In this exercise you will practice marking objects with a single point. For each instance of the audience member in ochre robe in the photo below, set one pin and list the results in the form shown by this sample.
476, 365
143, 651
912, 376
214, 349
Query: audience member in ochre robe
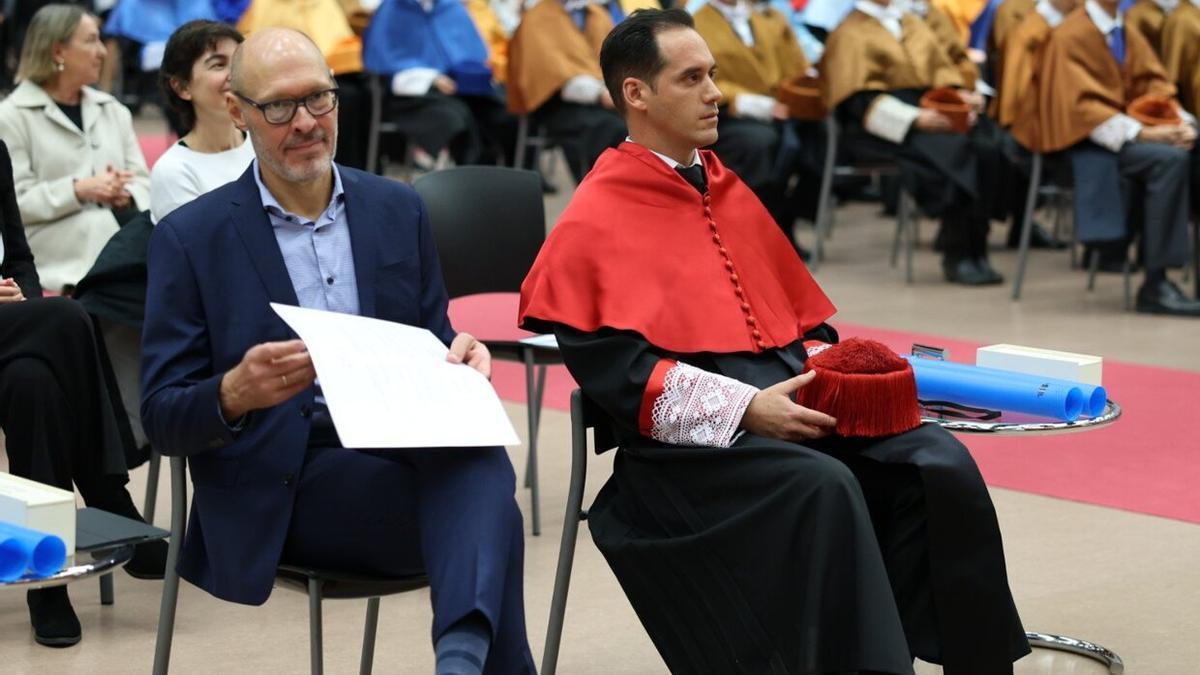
1092, 71
1181, 55
1148, 17
877, 65
757, 53
554, 76
442, 78
1017, 103
962, 14
956, 49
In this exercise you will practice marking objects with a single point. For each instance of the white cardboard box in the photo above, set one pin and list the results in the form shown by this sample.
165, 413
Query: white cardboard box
40, 507
1084, 368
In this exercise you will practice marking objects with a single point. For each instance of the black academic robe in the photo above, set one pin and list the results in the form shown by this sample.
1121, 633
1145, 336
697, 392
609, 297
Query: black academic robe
773, 557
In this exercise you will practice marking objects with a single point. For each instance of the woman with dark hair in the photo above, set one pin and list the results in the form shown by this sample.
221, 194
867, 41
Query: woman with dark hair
57, 410
194, 78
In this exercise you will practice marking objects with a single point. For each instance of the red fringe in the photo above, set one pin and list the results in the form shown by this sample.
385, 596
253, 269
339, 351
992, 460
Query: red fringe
869, 405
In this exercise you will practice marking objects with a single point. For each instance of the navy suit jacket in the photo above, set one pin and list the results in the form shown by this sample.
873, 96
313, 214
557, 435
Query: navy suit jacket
214, 264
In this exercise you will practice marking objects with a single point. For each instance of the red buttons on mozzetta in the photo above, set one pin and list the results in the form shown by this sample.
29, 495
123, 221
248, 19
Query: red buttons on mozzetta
751, 322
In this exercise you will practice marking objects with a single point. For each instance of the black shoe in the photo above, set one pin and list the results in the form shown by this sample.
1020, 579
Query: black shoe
985, 268
966, 271
149, 560
1038, 238
53, 618
1166, 298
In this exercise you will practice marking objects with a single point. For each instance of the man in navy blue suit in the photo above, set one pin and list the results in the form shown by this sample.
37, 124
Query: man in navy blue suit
226, 384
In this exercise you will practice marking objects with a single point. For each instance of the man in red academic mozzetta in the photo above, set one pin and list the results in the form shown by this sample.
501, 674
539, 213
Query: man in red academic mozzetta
748, 537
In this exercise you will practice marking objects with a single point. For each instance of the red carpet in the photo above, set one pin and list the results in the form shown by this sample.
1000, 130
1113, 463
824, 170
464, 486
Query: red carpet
154, 145
1148, 461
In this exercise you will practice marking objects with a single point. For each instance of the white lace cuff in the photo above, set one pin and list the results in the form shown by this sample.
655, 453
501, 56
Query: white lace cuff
890, 118
697, 407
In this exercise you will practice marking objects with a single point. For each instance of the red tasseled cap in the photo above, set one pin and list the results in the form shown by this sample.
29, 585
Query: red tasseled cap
869, 389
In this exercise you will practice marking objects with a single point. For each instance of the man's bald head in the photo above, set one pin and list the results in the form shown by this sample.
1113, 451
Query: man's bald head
265, 51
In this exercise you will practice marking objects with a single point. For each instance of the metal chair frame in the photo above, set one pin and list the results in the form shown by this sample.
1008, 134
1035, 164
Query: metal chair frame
907, 213
318, 584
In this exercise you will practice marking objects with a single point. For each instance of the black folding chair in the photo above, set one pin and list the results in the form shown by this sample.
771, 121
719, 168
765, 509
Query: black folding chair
489, 223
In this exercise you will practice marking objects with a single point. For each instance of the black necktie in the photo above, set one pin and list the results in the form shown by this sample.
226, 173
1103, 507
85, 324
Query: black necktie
694, 175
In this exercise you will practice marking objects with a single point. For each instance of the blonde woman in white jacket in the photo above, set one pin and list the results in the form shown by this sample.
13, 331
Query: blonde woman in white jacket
78, 169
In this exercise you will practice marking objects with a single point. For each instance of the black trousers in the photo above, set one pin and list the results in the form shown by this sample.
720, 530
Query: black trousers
582, 131
767, 155
56, 404
475, 129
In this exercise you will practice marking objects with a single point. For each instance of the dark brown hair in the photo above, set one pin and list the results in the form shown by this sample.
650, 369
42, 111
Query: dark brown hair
186, 45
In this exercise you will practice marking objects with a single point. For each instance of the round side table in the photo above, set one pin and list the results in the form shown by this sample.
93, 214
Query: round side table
1016, 425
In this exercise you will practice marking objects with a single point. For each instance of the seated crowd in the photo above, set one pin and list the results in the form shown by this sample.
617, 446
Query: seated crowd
708, 116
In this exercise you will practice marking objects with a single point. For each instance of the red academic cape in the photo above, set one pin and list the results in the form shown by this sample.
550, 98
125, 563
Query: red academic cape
639, 249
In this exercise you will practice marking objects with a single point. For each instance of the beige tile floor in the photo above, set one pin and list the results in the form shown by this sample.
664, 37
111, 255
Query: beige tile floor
1127, 581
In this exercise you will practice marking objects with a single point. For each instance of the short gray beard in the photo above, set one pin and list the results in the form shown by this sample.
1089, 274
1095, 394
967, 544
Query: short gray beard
287, 173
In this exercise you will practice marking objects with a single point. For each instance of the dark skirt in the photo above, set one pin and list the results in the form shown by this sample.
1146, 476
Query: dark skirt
770, 557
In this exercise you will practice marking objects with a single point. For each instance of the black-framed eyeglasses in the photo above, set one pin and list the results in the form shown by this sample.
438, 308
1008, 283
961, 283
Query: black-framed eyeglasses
281, 111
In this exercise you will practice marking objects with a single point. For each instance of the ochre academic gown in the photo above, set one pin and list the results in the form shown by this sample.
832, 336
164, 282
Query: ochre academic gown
547, 50
955, 48
741, 69
763, 556
1181, 53
1009, 15
962, 13
324, 21
1017, 103
1081, 85
1147, 18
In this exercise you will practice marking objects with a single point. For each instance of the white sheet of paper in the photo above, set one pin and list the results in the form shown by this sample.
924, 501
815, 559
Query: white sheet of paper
545, 340
389, 385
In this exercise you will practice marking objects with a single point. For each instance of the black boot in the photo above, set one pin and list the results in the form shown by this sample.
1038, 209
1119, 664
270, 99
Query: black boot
53, 618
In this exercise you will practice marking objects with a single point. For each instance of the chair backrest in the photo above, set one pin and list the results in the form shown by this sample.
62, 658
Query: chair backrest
489, 223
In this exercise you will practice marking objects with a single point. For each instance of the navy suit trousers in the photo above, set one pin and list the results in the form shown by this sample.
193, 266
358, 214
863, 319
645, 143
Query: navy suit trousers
447, 511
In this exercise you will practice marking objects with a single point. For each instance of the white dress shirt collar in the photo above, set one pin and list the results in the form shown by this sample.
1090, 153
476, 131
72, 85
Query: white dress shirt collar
667, 160
888, 16
1050, 13
1101, 18
1167, 6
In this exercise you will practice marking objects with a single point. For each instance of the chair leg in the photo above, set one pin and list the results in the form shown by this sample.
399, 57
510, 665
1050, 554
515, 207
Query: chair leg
315, 636
906, 227
107, 594
532, 404
376, 121
170, 595
1093, 267
1196, 256
1127, 282
369, 630
898, 237
522, 139
151, 486
1035, 179
566, 547
825, 199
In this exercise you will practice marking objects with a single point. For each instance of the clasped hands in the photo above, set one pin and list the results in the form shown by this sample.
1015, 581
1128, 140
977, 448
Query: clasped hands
774, 413
932, 120
1179, 135
272, 372
106, 188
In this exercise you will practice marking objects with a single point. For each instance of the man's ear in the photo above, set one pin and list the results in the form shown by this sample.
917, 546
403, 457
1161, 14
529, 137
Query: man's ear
635, 92
235, 111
